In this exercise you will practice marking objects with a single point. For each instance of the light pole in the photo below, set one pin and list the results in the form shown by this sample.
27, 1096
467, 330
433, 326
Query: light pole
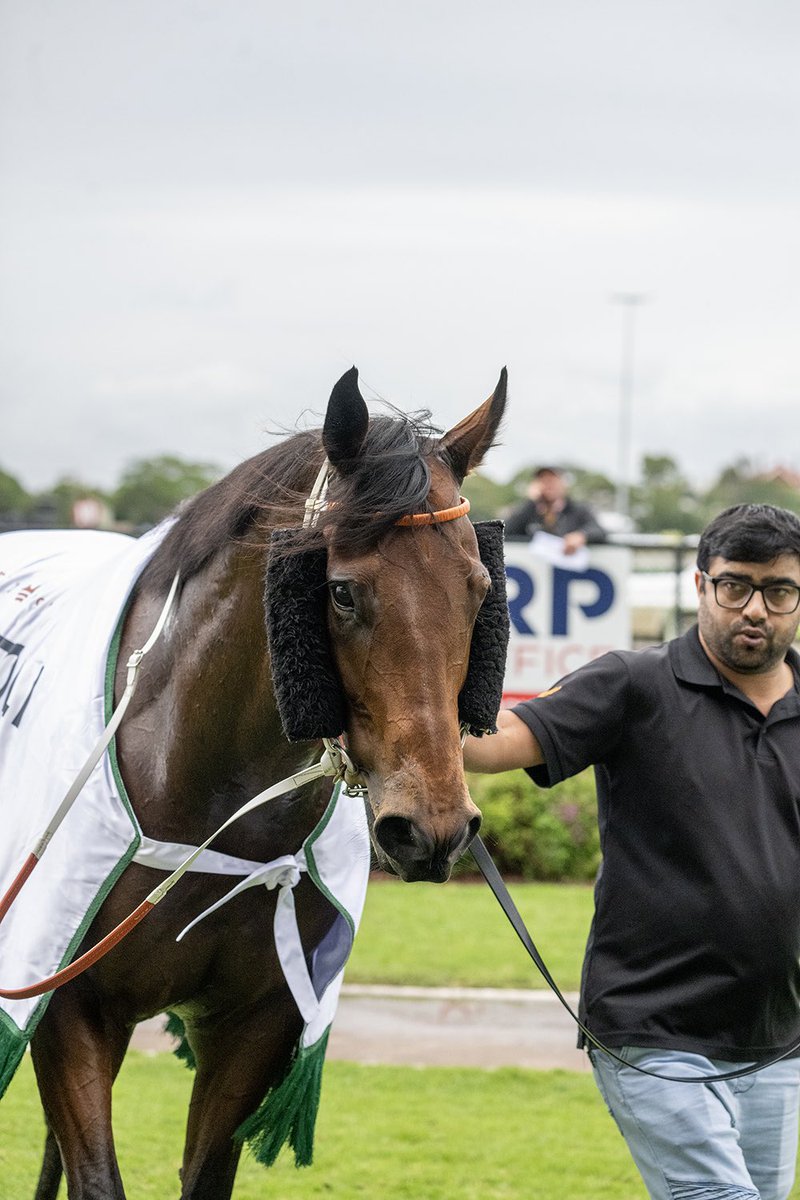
630, 301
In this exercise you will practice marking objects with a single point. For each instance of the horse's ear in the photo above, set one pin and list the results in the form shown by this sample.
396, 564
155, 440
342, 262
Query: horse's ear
465, 445
346, 422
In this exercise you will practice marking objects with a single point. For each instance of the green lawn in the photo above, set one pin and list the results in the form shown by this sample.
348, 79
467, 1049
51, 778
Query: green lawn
456, 933
384, 1133
389, 1132
396, 1133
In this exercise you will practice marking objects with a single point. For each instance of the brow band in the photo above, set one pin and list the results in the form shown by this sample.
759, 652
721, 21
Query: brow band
436, 518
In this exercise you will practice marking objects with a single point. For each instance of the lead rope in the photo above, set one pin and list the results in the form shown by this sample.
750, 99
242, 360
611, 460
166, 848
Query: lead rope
495, 881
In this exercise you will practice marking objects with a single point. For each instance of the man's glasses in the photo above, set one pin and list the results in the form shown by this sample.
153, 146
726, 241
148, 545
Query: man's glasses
779, 598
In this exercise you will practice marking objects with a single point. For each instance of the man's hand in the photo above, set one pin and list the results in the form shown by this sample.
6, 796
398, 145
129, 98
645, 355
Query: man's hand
574, 541
512, 746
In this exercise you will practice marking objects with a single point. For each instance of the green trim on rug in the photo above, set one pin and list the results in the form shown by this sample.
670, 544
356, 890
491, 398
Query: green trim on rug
288, 1113
111, 670
12, 1048
313, 870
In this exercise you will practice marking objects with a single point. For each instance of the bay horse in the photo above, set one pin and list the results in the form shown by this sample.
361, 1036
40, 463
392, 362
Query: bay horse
204, 733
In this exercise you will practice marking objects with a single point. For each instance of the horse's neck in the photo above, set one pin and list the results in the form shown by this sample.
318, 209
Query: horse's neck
205, 734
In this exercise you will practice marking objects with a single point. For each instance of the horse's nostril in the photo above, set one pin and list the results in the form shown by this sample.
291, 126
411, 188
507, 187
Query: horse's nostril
415, 853
460, 844
396, 834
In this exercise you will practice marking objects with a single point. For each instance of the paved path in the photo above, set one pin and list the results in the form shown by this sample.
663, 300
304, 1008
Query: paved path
465, 1027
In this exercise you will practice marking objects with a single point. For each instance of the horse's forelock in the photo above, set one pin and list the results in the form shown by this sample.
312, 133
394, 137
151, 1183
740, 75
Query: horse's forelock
388, 479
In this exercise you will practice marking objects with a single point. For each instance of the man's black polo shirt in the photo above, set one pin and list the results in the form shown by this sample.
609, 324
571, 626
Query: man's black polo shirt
696, 937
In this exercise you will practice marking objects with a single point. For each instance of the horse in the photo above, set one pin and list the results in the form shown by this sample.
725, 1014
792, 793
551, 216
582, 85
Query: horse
400, 600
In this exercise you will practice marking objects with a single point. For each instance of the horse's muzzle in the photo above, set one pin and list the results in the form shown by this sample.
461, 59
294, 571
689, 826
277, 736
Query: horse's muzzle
414, 854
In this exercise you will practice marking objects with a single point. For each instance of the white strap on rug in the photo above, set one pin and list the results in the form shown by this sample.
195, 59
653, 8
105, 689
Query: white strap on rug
283, 873
341, 853
168, 856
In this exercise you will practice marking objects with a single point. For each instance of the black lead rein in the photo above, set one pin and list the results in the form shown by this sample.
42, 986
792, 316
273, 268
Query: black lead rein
495, 881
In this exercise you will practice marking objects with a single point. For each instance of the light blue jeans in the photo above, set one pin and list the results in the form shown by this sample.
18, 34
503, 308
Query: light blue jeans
712, 1141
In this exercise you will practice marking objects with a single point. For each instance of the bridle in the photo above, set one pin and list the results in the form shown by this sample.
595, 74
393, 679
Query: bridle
494, 879
317, 503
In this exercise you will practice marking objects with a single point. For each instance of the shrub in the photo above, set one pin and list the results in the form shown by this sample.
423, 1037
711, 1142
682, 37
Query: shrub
535, 833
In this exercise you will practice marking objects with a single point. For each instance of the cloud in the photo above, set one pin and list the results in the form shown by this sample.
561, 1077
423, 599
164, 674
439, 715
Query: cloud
210, 214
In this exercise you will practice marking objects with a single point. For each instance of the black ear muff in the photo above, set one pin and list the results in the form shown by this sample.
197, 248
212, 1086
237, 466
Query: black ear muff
307, 688
480, 697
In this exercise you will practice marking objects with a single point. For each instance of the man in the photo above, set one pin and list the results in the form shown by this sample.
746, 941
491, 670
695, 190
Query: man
549, 508
692, 965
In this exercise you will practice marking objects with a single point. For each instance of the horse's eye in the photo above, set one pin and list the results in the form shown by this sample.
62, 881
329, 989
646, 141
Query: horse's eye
342, 596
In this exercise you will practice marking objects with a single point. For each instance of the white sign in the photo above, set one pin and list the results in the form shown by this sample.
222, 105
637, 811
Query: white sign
562, 618
548, 546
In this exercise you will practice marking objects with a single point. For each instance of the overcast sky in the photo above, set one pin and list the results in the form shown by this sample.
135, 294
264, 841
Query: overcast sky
209, 211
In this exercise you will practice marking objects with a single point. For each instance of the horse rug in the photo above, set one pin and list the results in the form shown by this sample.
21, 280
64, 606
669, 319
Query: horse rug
62, 598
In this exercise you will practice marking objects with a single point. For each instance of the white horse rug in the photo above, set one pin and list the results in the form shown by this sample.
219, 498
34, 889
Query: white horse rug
62, 595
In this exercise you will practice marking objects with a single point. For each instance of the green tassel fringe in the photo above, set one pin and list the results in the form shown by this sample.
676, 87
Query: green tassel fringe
288, 1113
12, 1048
176, 1028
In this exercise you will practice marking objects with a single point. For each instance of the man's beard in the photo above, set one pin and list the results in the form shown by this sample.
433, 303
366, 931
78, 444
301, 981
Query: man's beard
765, 651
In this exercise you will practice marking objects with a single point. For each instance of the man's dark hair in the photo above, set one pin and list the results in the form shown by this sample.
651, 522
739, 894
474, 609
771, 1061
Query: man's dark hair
755, 533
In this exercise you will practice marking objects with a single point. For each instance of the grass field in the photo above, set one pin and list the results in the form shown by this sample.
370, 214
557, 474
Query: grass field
457, 934
395, 1133
384, 1132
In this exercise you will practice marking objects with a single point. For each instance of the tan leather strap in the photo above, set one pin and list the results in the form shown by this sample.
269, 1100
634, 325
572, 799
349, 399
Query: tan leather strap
436, 518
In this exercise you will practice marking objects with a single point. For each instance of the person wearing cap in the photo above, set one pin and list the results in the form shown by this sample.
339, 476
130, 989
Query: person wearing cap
692, 966
550, 508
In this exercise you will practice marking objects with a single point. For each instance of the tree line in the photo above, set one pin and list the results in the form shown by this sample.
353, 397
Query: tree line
664, 501
147, 491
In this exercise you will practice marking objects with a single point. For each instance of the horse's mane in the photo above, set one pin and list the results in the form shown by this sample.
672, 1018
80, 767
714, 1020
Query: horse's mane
389, 478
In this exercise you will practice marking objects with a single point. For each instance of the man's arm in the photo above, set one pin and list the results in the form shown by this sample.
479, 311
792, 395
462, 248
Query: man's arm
512, 746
